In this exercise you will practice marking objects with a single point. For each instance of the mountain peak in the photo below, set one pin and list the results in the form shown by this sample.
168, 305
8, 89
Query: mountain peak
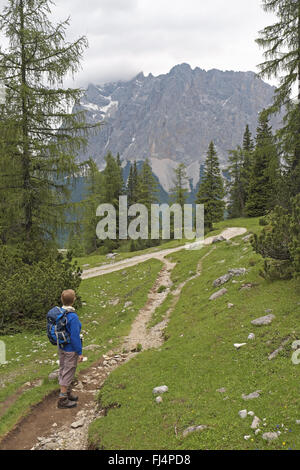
180, 68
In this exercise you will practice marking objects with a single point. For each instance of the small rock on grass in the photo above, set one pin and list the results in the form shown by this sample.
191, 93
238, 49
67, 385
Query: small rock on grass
158, 399
221, 390
251, 396
161, 389
218, 294
266, 320
255, 423
239, 345
247, 438
191, 429
251, 336
230, 305
243, 414
270, 436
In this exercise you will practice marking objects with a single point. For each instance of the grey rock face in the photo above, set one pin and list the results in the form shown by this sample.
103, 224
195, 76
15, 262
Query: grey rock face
266, 320
218, 294
142, 116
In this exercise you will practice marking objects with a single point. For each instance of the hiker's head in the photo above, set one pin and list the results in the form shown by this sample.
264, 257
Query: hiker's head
68, 297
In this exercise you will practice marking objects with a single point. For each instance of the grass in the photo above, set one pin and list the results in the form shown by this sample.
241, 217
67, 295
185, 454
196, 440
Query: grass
30, 356
198, 358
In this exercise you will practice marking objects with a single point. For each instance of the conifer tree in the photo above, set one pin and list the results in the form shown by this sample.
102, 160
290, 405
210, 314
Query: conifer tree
179, 192
46, 135
89, 206
281, 42
211, 190
147, 186
236, 187
264, 172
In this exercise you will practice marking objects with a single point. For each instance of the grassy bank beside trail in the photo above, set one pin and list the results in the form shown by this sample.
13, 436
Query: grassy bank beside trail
24, 380
199, 358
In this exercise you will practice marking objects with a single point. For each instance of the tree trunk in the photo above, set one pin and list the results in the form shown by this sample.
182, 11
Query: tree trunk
25, 146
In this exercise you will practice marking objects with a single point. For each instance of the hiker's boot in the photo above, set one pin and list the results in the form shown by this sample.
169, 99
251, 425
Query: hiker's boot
64, 402
72, 397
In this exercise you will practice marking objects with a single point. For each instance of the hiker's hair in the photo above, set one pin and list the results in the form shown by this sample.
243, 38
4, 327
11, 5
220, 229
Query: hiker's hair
68, 297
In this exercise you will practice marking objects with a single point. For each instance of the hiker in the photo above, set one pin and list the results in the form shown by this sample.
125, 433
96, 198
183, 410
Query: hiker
69, 354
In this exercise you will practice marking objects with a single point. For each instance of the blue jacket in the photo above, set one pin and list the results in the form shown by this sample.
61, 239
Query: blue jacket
73, 327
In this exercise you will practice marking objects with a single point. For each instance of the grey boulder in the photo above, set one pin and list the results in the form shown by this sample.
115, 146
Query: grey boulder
266, 320
218, 294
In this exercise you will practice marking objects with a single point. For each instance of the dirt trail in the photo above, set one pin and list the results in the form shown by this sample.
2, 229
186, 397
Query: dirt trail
49, 428
112, 267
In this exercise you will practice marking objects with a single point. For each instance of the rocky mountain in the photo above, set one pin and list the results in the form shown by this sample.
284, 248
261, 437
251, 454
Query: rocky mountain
172, 118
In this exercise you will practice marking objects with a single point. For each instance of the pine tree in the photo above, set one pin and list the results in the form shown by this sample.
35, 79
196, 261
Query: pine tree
248, 143
179, 192
89, 206
235, 186
211, 190
281, 42
46, 136
147, 186
262, 194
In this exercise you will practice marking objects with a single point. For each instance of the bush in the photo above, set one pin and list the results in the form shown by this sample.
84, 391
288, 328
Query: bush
279, 243
28, 291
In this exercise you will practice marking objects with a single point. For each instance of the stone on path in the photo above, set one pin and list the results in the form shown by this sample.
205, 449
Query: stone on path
266, 320
219, 239
251, 396
78, 424
191, 429
218, 294
161, 389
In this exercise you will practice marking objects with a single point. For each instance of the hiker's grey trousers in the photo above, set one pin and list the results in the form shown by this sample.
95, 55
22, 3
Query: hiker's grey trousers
67, 367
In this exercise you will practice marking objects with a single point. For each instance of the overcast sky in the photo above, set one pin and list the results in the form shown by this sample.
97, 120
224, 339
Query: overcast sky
129, 36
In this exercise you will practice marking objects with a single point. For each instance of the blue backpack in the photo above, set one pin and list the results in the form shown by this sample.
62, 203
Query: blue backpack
57, 320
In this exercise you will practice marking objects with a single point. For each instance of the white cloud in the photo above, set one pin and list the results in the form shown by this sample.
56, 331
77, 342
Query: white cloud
129, 36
